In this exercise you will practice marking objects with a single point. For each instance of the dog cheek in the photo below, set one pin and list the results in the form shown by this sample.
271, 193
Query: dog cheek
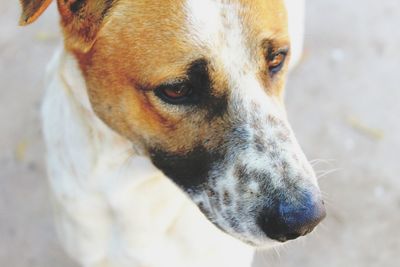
189, 170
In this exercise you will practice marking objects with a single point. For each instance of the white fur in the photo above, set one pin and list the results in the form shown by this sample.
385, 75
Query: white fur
216, 27
296, 15
113, 208
205, 18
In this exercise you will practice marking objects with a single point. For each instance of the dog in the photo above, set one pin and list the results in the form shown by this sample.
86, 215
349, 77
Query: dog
167, 138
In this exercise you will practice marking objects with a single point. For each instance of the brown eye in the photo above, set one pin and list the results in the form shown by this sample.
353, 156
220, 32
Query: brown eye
276, 61
175, 93
178, 93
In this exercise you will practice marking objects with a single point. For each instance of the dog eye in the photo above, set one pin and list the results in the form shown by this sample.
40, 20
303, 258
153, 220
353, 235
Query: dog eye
178, 93
275, 62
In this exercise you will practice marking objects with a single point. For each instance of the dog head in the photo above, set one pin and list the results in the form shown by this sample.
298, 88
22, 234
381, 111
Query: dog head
197, 86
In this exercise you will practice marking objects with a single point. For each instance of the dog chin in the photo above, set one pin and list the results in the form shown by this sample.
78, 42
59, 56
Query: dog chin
263, 243
268, 245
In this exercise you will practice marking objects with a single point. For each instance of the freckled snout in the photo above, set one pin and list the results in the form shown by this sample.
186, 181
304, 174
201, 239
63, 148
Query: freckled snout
291, 219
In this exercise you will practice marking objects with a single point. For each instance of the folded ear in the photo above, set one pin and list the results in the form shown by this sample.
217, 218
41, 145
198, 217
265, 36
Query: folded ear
32, 9
81, 21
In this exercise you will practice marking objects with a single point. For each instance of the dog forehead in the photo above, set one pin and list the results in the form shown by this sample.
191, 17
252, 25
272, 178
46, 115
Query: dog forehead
231, 32
235, 35
165, 36
212, 22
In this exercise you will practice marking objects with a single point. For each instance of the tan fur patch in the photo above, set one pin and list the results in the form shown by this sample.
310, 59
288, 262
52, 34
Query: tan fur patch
142, 45
267, 22
125, 48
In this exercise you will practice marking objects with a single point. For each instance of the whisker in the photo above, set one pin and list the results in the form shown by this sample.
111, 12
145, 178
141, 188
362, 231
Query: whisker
278, 253
326, 173
315, 162
325, 194
327, 199
323, 171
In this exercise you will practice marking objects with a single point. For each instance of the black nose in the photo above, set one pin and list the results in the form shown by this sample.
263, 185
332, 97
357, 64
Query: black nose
287, 220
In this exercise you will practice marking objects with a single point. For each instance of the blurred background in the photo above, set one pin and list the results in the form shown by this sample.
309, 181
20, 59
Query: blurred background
343, 102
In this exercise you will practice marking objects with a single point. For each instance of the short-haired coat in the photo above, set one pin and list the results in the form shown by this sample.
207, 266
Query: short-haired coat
167, 138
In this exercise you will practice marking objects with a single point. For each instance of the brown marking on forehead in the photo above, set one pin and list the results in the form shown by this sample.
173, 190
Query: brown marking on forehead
149, 44
266, 19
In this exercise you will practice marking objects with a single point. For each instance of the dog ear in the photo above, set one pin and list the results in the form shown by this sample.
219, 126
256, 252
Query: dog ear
31, 10
81, 21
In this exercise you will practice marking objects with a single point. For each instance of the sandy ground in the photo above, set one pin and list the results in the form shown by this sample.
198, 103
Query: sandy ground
342, 102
